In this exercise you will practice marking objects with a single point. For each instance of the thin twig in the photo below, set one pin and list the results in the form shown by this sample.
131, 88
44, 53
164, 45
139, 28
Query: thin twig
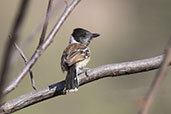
25, 61
52, 13
9, 50
110, 70
40, 42
42, 37
42, 48
157, 81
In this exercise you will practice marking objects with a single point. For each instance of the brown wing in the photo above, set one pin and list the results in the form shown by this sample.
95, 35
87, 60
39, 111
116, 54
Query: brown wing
74, 53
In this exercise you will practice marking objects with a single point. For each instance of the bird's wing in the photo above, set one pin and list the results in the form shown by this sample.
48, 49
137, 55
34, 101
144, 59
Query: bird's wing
74, 53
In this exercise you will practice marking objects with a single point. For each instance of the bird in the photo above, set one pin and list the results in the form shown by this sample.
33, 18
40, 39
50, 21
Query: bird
76, 56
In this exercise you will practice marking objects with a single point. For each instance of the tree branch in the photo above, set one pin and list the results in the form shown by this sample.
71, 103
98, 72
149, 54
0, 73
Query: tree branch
25, 61
42, 37
52, 13
9, 50
110, 70
42, 48
148, 99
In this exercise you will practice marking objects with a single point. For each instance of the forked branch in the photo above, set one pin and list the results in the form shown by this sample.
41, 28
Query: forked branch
42, 48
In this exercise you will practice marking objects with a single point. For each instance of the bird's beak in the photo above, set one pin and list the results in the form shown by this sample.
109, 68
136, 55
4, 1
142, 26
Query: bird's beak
94, 35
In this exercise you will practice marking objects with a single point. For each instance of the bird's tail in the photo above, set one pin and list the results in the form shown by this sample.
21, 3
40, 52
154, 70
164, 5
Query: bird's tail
71, 80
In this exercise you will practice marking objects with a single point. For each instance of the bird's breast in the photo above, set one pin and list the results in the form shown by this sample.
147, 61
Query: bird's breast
83, 63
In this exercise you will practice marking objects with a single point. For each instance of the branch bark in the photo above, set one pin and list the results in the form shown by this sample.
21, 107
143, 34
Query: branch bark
110, 70
42, 48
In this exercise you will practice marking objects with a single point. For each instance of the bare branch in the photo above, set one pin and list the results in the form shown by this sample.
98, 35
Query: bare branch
20, 52
9, 50
25, 61
42, 48
110, 70
42, 37
40, 42
157, 81
56, 8
37, 29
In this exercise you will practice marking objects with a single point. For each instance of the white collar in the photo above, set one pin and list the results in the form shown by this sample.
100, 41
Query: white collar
72, 40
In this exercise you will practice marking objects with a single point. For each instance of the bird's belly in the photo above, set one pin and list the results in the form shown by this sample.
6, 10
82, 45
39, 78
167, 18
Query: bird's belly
83, 63
80, 65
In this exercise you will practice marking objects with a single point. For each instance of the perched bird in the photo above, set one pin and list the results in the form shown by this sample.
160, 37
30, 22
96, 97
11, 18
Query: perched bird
76, 56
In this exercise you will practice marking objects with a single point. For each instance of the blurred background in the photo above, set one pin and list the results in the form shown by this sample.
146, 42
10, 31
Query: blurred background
130, 30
